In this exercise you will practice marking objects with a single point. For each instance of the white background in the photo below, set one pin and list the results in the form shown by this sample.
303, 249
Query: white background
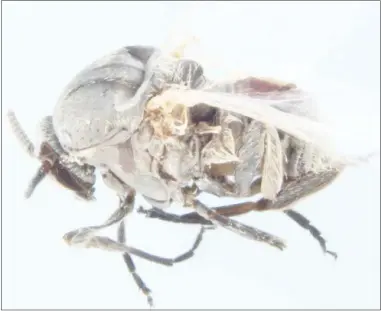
330, 49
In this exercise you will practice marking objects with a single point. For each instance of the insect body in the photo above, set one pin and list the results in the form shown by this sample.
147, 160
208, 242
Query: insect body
115, 117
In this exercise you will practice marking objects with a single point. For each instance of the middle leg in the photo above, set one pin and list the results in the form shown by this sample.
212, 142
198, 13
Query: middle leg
86, 237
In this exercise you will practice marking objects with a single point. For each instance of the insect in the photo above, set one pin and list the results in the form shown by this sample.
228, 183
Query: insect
155, 125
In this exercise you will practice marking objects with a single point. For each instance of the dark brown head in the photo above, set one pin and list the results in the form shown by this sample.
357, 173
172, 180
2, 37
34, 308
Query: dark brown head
79, 178
51, 163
